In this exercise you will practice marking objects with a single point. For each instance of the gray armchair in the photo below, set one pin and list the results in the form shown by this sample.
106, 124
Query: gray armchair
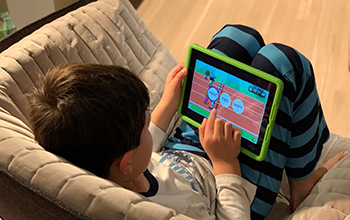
35, 184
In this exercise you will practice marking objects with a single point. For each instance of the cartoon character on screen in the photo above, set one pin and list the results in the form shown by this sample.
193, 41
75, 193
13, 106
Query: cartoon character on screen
211, 82
207, 73
219, 91
216, 93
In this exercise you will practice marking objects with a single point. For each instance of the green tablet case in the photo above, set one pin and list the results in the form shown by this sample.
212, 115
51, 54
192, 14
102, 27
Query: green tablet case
249, 69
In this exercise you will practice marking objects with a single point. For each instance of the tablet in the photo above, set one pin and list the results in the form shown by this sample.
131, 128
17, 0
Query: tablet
244, 96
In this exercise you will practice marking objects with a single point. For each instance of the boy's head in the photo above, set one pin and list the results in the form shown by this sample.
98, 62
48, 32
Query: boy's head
89, 114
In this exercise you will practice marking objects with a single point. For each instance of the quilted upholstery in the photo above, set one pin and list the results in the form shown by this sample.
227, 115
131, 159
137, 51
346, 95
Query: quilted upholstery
330, 198
111, 32
108, 32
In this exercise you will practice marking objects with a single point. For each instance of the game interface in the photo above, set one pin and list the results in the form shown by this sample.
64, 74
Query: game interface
237, 101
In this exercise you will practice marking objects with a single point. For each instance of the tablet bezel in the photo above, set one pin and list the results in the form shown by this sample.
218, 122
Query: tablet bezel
272, 84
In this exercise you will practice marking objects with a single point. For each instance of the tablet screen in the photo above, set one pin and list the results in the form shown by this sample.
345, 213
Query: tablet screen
240, 97
236, 100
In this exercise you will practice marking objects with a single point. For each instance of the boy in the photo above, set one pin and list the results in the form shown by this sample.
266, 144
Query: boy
96, 117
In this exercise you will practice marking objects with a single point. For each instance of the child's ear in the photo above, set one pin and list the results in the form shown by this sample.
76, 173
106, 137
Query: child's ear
125, 163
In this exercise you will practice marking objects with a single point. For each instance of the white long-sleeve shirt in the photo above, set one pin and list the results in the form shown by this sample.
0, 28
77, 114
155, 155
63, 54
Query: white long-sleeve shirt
186, 183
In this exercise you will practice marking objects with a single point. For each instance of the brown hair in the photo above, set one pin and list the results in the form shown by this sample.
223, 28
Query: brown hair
89, 114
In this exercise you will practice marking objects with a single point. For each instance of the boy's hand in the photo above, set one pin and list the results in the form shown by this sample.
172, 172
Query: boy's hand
222, 143
172, 90
167, 106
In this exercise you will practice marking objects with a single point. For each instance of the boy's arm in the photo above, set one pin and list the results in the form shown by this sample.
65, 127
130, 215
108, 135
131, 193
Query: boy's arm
167, 106
222, 144
234, 197
158, 136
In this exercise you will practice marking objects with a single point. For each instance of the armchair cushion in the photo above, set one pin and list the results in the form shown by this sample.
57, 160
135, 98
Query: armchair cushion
106, 32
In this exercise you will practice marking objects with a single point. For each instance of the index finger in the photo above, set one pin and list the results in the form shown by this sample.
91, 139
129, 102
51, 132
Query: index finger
211, 120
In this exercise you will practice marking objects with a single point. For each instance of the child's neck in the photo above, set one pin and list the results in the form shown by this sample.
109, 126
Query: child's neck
140, 184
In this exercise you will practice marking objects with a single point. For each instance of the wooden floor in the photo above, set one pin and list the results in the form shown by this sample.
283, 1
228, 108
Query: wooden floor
317, 28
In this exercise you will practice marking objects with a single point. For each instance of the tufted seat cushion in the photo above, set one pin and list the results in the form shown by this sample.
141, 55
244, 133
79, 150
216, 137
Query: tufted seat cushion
106, 32
110, 32
330, 198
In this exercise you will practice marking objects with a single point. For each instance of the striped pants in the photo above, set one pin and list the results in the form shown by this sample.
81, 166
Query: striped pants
300, 129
